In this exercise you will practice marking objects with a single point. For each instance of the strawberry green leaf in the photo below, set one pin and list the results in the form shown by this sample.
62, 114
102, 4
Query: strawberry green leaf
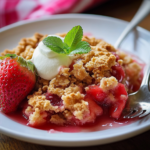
54, 43
26, 63
22, 61
73, 37
30, 66
81, 48
2, 57
11, 55
8, 55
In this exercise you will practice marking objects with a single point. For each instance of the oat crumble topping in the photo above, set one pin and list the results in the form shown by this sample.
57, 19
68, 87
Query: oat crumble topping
70, 84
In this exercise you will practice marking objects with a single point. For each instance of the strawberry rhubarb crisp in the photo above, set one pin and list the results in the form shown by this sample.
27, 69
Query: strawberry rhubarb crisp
78, 78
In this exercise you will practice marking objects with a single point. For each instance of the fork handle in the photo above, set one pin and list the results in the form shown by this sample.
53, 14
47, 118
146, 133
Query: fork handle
143, 11
146, 77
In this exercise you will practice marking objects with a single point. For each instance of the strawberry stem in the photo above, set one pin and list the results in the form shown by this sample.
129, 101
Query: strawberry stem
30, 66
26, 63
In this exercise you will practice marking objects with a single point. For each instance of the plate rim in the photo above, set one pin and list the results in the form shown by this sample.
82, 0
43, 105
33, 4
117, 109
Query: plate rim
73, 142
73, 15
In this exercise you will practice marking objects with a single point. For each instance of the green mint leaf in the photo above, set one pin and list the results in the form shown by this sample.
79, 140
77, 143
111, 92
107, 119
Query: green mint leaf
66, 48
72, 44
81, 48
73, 37
54, 43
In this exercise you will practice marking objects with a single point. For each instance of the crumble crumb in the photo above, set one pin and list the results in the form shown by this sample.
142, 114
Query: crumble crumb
57, 119
76, 104
43, 104
72, 89
53, 90
133, 70
104, 61
79, 71
106, 46
120, 61
126, 59
108, 83
37, 117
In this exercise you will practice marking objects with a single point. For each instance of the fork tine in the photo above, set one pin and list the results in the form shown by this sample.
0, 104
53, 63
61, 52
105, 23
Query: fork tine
128, 114
137, 113
145, 113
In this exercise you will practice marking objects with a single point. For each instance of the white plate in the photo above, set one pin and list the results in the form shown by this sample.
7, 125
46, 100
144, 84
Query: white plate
101, 27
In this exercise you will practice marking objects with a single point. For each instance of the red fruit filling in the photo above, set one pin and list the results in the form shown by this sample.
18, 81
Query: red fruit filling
71, 65
115, 98
95, 109
54, 99
118, 72
97, 93
121, 97
117, 57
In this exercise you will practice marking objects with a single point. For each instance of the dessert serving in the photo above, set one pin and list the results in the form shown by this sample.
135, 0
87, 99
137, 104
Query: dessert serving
66, 79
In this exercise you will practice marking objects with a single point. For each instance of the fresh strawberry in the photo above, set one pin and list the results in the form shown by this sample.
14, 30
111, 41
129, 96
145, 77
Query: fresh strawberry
17, 79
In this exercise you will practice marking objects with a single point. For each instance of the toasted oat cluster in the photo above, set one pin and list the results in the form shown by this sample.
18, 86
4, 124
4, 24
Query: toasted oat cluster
76, 96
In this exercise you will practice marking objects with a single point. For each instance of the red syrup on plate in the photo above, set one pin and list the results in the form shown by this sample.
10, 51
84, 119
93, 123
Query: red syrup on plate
102, 123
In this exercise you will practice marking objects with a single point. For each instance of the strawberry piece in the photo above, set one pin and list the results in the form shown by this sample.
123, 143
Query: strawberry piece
55, 100
118, 72
95, 109
17, 79
121, 97
115, 99
96, 93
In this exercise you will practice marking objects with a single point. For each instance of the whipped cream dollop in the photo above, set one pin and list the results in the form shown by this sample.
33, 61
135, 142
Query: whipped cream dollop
48, 62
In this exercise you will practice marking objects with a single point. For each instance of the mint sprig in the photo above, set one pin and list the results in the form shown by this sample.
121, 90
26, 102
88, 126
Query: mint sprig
54, 43
72, 44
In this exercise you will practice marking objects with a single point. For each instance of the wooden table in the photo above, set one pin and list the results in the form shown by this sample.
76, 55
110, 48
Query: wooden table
122, 9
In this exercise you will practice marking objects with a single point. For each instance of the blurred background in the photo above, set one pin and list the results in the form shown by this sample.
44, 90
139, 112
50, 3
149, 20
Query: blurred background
12, 11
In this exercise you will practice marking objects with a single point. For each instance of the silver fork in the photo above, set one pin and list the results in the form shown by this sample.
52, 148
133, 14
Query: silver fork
138, 103
142, 12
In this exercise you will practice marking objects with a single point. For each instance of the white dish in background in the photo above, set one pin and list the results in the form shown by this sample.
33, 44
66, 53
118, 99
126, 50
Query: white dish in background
109, 29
